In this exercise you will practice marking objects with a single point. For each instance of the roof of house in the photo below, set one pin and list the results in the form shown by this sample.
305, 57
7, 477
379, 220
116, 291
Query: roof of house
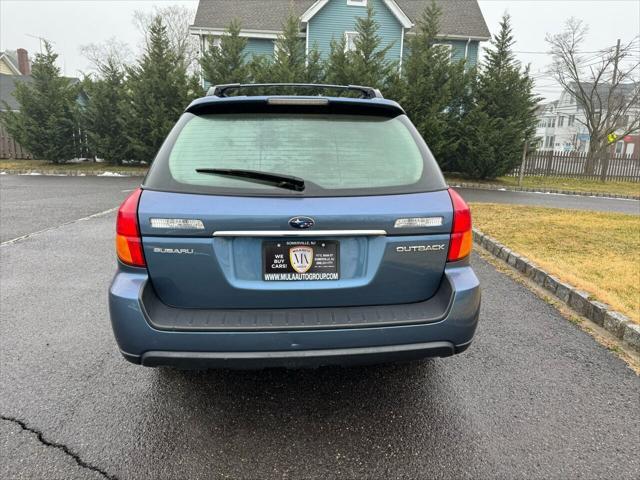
7, 87
459, 17
12, 57
603, 89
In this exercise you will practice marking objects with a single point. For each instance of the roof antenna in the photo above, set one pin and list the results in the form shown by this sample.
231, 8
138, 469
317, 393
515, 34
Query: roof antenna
42, 39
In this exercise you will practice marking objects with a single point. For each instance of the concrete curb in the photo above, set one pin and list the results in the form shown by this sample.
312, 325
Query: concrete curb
71, 173
491, 186
614, 322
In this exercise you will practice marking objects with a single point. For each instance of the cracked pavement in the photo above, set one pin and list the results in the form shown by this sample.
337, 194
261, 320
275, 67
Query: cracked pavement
16, 436
534, 396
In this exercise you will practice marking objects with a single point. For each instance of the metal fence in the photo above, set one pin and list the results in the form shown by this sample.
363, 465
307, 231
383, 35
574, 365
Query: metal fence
9, 148
579, 165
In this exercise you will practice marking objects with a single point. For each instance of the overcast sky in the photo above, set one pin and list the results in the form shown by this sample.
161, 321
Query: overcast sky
73, 23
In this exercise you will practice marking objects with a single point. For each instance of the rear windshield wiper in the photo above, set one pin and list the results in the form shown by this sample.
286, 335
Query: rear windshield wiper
277, 180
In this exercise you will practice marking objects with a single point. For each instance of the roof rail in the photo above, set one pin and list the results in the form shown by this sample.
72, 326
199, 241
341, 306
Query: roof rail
367, 92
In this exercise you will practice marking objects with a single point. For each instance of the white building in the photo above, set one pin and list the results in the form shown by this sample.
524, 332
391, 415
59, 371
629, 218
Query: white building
561, 128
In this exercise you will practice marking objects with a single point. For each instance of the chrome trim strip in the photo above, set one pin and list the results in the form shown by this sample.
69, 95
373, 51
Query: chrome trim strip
299, 233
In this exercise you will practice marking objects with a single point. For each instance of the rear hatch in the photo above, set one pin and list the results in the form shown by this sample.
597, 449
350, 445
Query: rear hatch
370, 227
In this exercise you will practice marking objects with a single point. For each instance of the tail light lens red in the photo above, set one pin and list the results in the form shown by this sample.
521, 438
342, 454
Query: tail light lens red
128, 240
461, 234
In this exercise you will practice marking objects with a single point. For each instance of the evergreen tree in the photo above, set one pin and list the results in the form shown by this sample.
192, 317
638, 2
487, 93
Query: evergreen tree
46, 124
104, 116
315, 68
368, 64
433, 87
259, 68
461, 90
226, 63
289, 63
476, 150
504, 93
289, 60
159, 89
338, 68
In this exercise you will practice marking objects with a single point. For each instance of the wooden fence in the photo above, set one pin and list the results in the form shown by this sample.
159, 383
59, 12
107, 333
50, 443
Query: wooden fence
9, 148
578, 165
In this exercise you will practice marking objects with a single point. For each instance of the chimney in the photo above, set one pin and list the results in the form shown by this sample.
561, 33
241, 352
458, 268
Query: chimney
23, 62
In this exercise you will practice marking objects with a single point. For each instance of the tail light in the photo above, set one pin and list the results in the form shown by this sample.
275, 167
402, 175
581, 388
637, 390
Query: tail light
461, 235
128, 240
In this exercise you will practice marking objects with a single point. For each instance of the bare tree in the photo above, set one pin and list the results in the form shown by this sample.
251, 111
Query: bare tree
606, 86
112, 52
177, 20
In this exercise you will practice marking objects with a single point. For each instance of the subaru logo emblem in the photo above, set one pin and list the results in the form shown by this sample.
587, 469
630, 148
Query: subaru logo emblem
302, 222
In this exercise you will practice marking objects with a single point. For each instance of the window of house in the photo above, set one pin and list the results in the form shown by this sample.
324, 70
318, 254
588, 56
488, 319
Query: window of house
571, 121
560, 121
215, 42
549, 141
350, 41
619, 148
357, 3
553, 122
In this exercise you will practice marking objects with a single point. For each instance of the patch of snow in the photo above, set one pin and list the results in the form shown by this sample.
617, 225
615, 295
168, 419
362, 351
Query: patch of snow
3, 173
111, 174
30, 173
550, 193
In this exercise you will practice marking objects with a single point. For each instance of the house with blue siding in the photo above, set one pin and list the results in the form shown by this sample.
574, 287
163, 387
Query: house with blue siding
462, 25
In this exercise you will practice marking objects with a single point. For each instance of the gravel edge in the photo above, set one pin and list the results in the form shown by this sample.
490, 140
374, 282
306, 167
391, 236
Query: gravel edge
601, 314
491, 186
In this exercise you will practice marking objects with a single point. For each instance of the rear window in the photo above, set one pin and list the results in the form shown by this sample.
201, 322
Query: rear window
335, 154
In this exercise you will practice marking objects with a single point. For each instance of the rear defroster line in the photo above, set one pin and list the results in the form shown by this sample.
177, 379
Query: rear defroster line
48, 229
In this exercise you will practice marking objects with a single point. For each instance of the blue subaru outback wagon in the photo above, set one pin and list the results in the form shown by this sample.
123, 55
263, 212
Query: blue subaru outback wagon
293, 230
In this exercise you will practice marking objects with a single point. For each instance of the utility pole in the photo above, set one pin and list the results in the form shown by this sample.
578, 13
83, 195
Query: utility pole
612, 147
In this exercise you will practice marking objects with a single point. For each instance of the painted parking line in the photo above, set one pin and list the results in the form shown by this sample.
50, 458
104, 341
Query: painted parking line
48, 229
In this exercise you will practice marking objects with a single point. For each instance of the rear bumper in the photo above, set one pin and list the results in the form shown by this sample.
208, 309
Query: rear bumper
446, 328
300, 358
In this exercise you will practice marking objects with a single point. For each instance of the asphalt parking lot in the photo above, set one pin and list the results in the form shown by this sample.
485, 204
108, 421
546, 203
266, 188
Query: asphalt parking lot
553, 200
534, 397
